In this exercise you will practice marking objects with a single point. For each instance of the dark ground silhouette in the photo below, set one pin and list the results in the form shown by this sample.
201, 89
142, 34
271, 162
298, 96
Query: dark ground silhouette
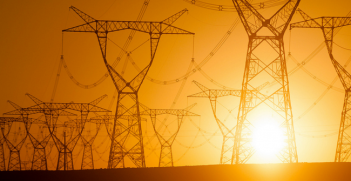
297, 171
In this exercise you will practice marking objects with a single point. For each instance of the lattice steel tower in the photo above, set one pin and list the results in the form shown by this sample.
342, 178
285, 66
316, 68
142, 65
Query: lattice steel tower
269, 31
166, 142
329, 26
226, 130
127, 90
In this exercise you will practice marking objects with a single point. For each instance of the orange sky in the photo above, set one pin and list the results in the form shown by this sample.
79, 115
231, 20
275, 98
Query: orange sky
31, 42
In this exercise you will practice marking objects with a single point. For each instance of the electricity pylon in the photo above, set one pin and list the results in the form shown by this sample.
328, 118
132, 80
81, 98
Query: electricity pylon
328, 26
51, 111
39, 161
15, 159
127, 90
12, 143
66, 146
123, 133
258, 65
227, 132
4, 121
88, 140
166, 155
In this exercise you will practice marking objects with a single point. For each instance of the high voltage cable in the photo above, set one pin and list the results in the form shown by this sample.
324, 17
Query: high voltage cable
228, 8
342, 47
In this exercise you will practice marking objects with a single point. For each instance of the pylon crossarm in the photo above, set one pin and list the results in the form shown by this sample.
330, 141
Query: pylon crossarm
323, 22
98, 100
281, 19
306, 16
34, 99
175, 112
150, 27
14, 105
84, 28
202, 87
245, 11
204, 94
174, 17
82, 15
85, 107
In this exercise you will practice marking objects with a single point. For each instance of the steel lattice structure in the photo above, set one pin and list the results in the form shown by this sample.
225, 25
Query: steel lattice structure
127, 90
4, 122
273, 30
14, 146
52, 111
39, 161
166, 155
328, 26
227, 132
88, 159
123, 133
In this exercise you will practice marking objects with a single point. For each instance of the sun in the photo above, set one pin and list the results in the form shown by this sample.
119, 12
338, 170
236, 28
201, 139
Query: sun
268, 137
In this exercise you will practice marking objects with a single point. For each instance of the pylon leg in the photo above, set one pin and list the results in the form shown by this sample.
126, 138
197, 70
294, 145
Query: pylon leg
166, 157
65, 161
343, 149
127, 137
87, 160
14, 161
2, 158
39, 161
227, 150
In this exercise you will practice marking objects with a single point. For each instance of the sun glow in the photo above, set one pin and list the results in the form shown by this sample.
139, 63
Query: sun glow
268, 137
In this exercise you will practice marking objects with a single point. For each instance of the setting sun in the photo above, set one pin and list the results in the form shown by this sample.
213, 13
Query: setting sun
268, 137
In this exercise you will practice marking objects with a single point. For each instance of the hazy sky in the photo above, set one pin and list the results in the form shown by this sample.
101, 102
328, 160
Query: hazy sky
31, 45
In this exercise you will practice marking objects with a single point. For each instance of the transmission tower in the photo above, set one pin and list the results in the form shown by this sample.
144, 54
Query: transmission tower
257, 66
122, 134
4, 122
166, 156
13, 144
51, 112
328, 26
39, 161
127, 90
227, 132
88, 140
66, 146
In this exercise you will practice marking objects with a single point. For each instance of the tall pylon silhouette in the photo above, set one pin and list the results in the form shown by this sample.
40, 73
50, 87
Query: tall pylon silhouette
39, 160
52, 111
4, 122
15, 142
227, 132
260, 65
166, 154
88, 140
122, 133
127, 90
329, 26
